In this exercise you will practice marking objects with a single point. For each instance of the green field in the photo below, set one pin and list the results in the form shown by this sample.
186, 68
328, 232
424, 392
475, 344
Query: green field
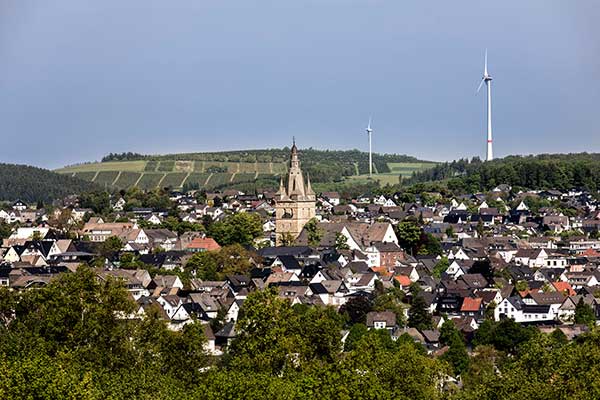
398, 169
407, 169
176, 173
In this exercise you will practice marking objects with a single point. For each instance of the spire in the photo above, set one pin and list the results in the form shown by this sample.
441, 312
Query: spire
294, 161
309, 190
281, 190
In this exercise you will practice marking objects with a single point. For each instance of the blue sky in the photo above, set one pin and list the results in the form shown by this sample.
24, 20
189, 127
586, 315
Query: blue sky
79, 79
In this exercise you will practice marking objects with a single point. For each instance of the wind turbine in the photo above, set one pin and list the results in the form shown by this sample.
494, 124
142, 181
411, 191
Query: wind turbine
369, 132
488, 83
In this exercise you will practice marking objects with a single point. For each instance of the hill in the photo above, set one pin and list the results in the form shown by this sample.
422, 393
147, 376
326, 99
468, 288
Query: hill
256, 168
32, 184
543, 171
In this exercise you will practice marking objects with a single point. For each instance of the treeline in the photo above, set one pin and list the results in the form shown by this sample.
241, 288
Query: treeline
545, 171
32, 184
125, 156
70, 340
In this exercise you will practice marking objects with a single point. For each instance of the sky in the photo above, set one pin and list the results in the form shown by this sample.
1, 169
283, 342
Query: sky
80, 79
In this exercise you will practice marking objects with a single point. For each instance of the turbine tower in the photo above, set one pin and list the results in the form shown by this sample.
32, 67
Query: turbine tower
369, 132
488, 83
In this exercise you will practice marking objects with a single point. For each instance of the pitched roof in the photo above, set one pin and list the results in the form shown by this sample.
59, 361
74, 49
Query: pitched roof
564, 287
381, 316
208, 244
403, 280
471, 304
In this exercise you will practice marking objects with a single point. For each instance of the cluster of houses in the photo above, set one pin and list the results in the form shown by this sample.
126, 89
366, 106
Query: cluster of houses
502, 261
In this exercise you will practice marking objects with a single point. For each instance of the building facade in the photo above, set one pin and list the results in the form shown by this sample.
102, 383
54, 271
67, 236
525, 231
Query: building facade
295, 202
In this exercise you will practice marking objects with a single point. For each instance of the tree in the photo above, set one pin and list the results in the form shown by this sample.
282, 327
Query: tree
480, 228
97, 201
315, 233
429, 245
357, 331
273, 337
506, 335
522, 286
215, 265
356, 309
78, 312
5, 230
441, 267
409, 235
286, 239
457, 354
36, 236
418, 316
341, 242
239, 228
584, 313
111, 245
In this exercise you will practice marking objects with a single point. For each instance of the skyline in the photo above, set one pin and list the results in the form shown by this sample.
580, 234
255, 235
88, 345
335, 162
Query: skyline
156, 78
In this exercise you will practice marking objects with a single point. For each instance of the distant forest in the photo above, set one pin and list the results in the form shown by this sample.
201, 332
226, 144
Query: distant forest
321, 165
32, 184
544, 171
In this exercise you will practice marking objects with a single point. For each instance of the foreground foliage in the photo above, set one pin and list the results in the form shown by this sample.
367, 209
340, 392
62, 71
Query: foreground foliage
68, 340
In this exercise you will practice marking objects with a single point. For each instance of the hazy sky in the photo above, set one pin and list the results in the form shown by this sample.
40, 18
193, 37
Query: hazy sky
79, 79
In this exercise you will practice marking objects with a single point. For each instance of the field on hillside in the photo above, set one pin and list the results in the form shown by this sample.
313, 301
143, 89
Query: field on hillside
407, 169
149, 174
404, 169
174, 173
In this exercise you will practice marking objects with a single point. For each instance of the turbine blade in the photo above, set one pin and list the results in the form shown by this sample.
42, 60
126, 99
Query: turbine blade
485, 72
480, 85
369, 125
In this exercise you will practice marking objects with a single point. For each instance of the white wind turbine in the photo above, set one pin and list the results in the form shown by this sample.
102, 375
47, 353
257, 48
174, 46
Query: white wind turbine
488, 83
369, 132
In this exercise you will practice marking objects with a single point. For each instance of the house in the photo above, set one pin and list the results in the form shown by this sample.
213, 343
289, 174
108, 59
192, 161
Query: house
384, 254
233, 310
136, 281
577, 280
534, 258
19, 205
99, 232
566, 311
515, 308
332, 198
331, 292
473, 307
170, 303
28, 233
226, 334
200, 244
381, 320
166, 282
288, 264
358, 235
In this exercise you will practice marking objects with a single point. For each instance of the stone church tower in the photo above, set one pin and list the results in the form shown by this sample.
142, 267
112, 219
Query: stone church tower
295, 202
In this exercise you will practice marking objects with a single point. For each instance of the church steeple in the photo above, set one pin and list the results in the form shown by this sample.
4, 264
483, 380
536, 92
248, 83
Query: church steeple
295, 203
295, 183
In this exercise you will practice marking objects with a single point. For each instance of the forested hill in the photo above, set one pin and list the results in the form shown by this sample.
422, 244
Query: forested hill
544, 171
32, 184
348, 162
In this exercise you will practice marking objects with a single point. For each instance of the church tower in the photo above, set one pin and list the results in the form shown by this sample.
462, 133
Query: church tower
295, 202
